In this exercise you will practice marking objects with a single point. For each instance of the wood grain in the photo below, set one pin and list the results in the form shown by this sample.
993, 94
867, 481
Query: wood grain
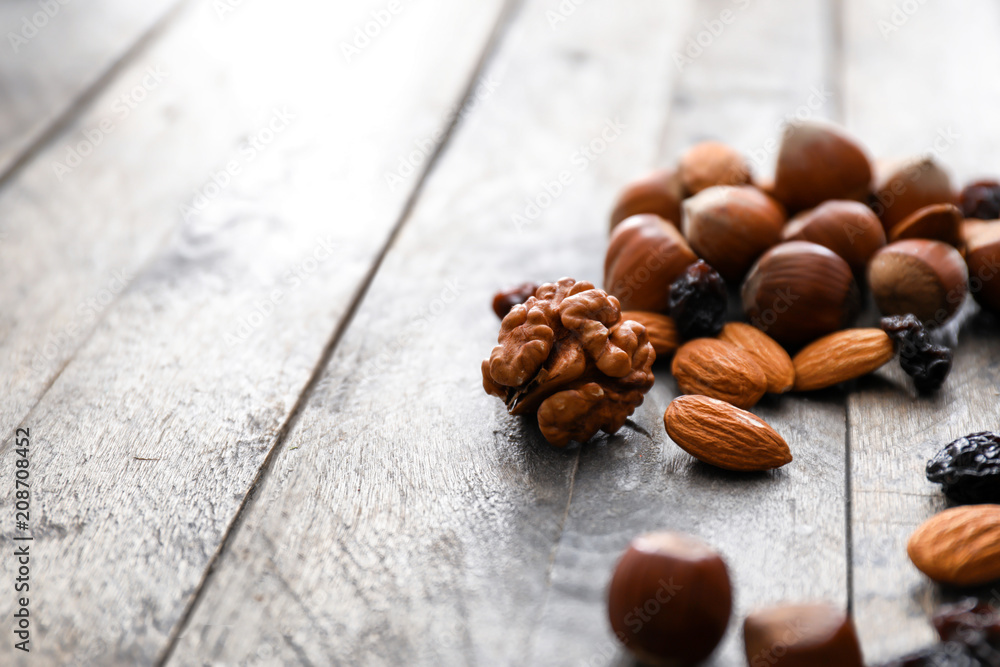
408, 519
149, 439
909, 82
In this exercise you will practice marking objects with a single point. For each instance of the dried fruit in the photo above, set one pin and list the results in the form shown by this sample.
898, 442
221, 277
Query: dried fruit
799, 291
926, 278
670, 599
770, 356
970, 634
659, 193
567, 354
730, 226
928, 364
841, 356
661, 330
715, 368
723, 435
806, 635
848, 228
959, 546
817, 162
981, 200
698, 301
969, 468
645, 255
712, 163
506, 299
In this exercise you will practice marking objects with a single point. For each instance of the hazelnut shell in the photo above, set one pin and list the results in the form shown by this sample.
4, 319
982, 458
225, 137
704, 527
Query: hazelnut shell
941, 222
926, 278
659, 193
848, 228
712, 163
983, 258
903, 187
645, 255
810, 635
816, 162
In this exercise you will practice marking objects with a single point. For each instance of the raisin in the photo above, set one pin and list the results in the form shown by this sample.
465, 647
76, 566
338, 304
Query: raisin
945, 654
981, 200
928, 364
698, 301
969, 468
508, 298
968, 619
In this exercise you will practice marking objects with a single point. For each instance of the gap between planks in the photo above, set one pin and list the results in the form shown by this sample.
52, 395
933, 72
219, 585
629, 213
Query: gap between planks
504, 21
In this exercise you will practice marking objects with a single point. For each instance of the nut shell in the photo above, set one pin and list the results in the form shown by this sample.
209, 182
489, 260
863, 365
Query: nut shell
983, 258
645, 255
670, 599
959, 546
799, 291
903, 187
939, 222
817, 162
848, 228
730, 226
715, 368
926, 278
712, 163
659, 193
770, 356
809, 635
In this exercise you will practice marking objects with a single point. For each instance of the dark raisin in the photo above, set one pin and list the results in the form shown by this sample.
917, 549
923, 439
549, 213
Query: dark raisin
968, 620
945, 654
981, 200
698, 301
969, 468
508, 298
928, 364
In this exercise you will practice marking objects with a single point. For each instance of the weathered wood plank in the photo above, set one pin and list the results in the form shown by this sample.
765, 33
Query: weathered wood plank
148, 441
782, 534
911, 89
408, 519
53, 52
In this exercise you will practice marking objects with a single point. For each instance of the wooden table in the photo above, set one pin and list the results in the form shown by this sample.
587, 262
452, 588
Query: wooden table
244, 324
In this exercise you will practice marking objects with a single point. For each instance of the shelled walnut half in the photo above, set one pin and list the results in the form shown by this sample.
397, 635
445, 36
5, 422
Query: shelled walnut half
567, 354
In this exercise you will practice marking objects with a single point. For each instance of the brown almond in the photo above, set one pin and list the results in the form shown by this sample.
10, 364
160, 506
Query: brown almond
841, 356
715, 368
766, 351
661, 330
722, 435
959, 546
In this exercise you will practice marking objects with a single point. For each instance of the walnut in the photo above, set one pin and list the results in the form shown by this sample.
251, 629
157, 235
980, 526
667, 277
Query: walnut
567, 354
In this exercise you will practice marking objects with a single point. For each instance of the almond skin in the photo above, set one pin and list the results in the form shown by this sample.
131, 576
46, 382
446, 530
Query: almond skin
721, 434
960, 546
840, 357
661, 330
770, 356
715, 368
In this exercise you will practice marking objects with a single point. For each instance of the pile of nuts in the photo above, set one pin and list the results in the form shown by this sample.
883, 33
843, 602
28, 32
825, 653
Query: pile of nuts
804, 249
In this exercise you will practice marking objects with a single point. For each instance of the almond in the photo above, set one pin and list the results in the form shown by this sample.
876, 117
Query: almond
721, 434
840, 357
766, 351
960, 546
661, 330
719, 369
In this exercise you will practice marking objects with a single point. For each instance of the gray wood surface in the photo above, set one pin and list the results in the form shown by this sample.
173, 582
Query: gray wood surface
893, 432
161, 416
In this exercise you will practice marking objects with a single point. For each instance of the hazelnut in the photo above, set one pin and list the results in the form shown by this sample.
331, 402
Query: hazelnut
659, 193
730, 226
848, 228
981, 200
817, 162
919, 276
799, 291
983, 258
670, 599
506, 299
806, 635
645, 255
903, 187
941, 222
712, 163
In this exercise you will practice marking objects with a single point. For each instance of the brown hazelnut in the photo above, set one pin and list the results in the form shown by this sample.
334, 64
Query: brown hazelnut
659, 193
506, 299
903, 187
806, 635
799, 291
730, 226
848, 228
712, 163
983, 258
940, 222
670, 599
926, 278
817, 162
645, 255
